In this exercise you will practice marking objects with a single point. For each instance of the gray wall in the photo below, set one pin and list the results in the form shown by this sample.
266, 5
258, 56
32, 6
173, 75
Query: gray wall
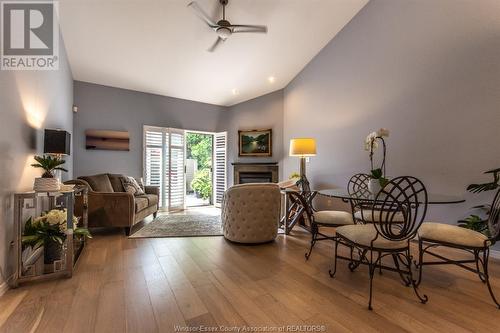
30, 101
260, 113
102, 107
427, 70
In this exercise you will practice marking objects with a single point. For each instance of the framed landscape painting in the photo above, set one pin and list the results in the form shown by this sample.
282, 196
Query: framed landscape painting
255, 143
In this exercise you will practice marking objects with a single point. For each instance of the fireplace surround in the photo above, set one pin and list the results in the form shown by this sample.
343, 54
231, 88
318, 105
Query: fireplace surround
255, 172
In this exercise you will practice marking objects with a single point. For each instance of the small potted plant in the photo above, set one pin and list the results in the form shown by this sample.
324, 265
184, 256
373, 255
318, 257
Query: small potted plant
49, 164
377, 173
49, 231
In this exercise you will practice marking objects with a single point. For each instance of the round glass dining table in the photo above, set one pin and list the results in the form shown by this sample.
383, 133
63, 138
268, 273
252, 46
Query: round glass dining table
433, 199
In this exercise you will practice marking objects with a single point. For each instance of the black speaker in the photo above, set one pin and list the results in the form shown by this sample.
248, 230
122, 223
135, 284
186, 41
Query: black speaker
57, 142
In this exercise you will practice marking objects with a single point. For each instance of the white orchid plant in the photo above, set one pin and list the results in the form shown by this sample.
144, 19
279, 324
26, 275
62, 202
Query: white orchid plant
372, 143
50, 227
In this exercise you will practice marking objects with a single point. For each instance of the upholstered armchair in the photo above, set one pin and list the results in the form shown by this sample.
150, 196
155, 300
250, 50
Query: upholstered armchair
251, 213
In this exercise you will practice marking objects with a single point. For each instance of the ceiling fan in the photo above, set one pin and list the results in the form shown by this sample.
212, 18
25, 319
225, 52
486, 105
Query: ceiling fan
223, 27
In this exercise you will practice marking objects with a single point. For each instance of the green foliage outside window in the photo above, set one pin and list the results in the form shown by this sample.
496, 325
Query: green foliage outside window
199, 148
202, 183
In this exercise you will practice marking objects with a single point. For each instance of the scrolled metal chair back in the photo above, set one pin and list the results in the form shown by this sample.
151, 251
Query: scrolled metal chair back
494, 218
358, 189
400, 208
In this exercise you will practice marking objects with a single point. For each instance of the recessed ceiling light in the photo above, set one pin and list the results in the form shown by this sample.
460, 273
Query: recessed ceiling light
271, 79
235, 91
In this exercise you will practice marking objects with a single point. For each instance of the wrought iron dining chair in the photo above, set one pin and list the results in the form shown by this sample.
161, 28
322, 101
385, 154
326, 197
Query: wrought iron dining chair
360, 204
432, 235
320, 219
402, 195
357, 187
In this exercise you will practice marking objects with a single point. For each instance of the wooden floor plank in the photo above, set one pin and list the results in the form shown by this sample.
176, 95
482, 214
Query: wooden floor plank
187, 299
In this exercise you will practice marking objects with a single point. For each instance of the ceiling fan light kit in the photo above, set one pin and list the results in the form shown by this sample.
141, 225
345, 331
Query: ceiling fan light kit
223, 28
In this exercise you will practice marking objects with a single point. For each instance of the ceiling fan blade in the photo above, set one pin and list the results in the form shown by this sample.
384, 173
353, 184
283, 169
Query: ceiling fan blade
238, 28
216, 44
202, 15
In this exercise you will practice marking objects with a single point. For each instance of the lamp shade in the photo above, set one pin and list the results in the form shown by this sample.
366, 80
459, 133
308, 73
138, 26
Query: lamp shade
303, 147
57, 142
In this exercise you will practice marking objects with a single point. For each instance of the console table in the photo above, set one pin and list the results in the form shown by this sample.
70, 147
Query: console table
32, 204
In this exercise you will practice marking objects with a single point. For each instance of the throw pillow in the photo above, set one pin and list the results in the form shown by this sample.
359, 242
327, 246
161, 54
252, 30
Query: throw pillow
131, 186
140, 181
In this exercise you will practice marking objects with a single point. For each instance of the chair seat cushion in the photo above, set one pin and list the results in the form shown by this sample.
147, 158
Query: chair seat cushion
363, 234
368, 216
333, 217
451, 234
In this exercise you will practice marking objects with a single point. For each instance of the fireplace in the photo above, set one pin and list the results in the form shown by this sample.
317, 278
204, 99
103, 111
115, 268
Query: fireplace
255, 177
255, 173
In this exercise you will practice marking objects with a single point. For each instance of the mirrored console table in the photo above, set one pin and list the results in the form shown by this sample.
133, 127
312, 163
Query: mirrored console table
29, 261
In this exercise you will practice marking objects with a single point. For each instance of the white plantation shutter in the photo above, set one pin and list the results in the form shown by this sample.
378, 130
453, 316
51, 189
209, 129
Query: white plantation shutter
154, 160
177, 184
220, 167
164, 164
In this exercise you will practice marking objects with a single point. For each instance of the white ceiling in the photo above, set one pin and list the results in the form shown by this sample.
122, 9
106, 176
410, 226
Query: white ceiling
159, 46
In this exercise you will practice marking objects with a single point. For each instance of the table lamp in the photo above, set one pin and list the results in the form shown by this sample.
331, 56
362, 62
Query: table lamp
57, 142
303, 147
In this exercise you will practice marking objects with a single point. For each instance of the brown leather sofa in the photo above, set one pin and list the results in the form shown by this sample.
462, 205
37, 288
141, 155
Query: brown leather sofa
110, 206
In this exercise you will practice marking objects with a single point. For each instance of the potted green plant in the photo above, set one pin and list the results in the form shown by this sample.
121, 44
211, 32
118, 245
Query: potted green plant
202, 184
377, 173
49, 231
479, 222
49, 164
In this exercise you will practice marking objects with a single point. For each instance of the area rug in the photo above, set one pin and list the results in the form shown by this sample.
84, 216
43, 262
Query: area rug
181, 225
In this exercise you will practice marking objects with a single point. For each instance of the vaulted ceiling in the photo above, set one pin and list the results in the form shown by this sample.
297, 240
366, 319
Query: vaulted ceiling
160, 46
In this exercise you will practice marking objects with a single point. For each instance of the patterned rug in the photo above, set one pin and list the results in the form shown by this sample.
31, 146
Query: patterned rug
181, 225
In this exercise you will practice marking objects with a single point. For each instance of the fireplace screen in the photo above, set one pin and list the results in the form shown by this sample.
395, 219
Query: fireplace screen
255, 177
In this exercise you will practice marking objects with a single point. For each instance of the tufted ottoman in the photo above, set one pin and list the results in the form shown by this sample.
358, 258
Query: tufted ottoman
251, 213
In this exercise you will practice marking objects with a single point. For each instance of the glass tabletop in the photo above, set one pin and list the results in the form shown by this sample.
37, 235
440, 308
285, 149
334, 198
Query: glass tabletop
436, 199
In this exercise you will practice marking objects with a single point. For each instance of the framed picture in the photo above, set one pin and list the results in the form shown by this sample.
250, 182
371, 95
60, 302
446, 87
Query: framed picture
255, 143
107, 140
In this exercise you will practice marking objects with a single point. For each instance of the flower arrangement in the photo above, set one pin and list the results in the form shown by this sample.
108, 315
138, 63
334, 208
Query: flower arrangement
49, 230
371, 144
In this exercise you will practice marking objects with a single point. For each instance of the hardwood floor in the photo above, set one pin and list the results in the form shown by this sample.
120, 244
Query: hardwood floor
152, 285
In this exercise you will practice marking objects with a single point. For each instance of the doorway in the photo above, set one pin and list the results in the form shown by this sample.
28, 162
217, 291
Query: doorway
199, 175
188, 166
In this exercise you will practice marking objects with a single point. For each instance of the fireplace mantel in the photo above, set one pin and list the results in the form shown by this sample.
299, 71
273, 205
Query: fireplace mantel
258, 172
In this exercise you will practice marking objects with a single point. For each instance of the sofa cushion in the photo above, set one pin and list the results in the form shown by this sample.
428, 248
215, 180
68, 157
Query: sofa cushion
99, 183
116, 182
141, 203
152, 199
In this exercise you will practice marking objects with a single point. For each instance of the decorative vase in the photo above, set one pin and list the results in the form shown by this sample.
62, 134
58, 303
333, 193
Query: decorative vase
374, 186
46, 185
52, 252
